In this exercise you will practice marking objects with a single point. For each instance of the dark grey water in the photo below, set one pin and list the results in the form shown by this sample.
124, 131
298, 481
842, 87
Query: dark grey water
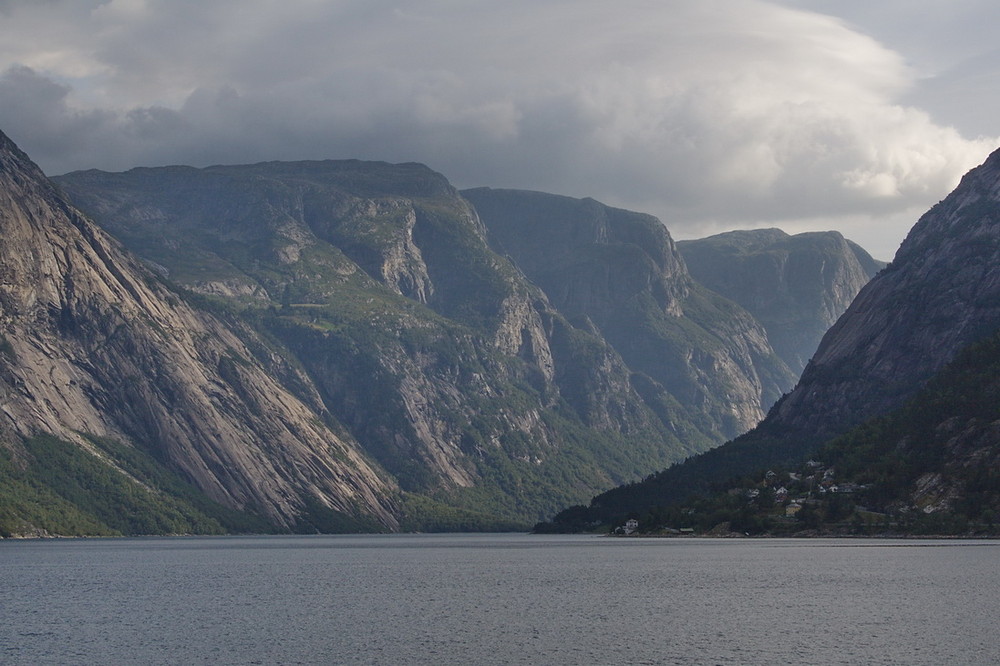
498, 599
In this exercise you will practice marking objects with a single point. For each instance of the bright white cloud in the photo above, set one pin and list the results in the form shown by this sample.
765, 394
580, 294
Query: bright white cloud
712, 115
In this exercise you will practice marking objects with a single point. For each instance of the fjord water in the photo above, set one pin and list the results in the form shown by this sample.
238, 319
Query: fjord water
498, 599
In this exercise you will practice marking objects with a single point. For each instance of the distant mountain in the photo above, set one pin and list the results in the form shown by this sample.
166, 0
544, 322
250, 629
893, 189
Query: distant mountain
940, 295
620, 272
123, 409
456, 375
796, 286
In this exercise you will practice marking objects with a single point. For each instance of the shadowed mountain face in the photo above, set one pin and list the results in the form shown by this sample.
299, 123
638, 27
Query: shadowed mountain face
461, 378
620, 272
96, 348
796, 286
940, 295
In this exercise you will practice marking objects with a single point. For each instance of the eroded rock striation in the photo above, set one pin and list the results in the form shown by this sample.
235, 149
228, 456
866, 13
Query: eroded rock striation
97, 346
940, 294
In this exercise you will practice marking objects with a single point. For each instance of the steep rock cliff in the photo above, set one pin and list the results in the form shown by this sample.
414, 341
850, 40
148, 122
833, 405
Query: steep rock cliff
940, 294
796, 286
621, 272
97, 346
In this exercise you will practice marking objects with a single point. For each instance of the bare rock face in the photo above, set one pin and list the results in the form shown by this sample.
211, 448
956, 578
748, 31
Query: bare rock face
98, 346
377, 233
621, 272
940, 294
796, 286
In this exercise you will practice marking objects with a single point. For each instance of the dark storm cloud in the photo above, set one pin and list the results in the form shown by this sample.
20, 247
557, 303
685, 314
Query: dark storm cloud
713, 114
34, 110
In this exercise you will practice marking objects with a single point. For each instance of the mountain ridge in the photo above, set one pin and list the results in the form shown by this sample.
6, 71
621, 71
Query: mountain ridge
621, 272
342, 345
945, 268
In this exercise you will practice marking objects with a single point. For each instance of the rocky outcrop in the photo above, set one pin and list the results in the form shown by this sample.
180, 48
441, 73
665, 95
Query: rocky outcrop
376, 233
796, 286
96, 345
620, 272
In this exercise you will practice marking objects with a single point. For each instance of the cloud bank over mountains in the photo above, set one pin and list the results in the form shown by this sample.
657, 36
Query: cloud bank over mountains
712, 115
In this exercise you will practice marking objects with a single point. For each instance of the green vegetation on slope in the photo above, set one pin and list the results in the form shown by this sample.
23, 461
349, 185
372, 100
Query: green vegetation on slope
930, 467
423, 514
54, 487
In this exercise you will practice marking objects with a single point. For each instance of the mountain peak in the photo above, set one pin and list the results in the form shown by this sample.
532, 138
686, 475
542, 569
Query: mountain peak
18, 173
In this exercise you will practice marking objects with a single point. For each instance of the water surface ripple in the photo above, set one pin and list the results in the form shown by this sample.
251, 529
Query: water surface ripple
498, 599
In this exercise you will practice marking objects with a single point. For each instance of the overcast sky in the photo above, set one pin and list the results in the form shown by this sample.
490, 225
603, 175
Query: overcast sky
711, 114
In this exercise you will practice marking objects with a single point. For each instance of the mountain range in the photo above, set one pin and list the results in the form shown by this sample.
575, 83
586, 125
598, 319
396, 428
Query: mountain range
898, 397
344, 346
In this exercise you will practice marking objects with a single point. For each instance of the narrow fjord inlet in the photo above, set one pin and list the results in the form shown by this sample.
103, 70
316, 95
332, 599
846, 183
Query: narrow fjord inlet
530, 332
